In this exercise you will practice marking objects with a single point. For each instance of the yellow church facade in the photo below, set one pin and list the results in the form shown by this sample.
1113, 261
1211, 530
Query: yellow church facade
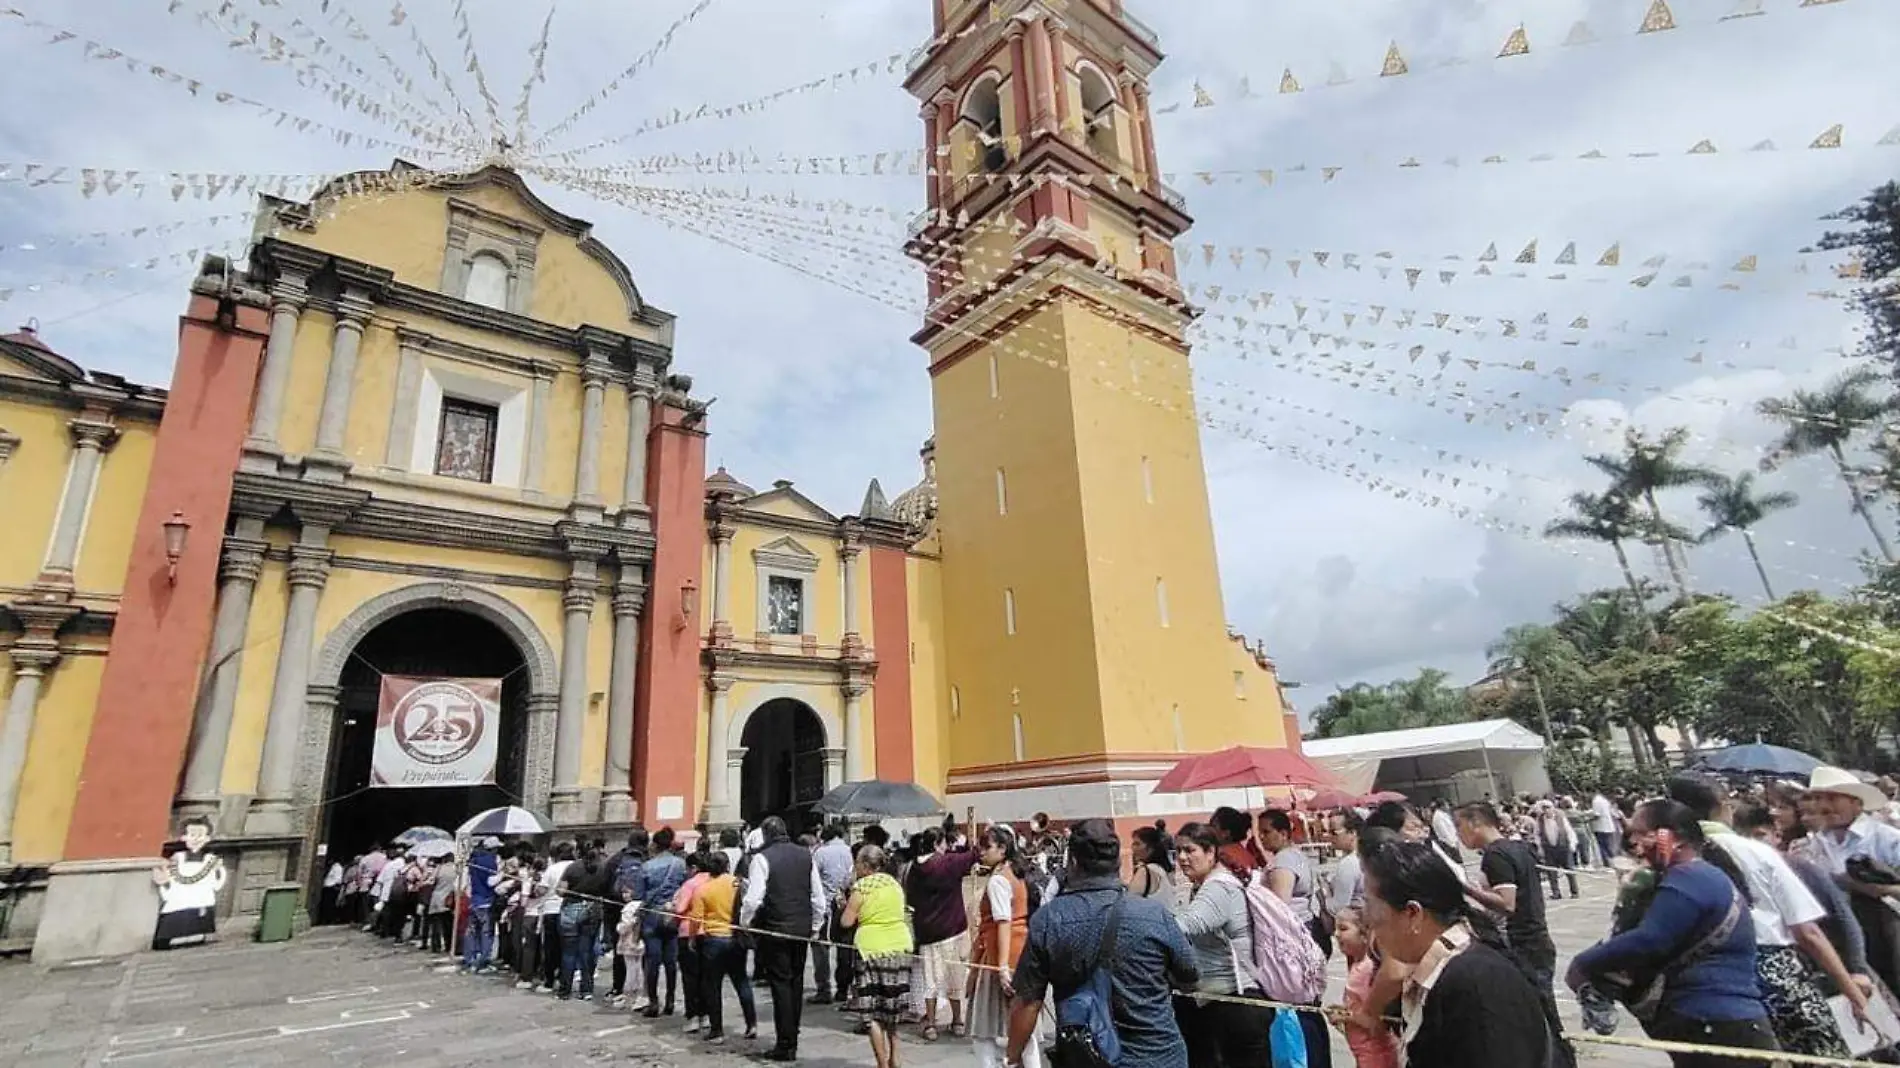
433, 429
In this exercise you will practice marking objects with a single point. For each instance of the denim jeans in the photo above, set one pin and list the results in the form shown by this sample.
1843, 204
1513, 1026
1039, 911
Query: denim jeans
477, 939
720, 961
662, 954
580, 945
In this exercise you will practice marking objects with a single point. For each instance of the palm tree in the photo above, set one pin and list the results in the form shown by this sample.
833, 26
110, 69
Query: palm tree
1827, 421
1602, 628
1647, 466
1537, 652
1731, 504
1611, 519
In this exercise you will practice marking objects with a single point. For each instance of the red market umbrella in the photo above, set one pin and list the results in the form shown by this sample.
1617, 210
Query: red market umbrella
1382, 797
1243, 765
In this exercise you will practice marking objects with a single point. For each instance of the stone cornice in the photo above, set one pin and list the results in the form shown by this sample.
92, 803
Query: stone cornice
727, 658
143, 402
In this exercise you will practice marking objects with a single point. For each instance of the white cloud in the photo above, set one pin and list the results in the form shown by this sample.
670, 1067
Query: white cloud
820, 385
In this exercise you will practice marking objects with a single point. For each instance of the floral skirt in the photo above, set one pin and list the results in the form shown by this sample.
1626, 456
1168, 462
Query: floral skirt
1802, 1021
881, 992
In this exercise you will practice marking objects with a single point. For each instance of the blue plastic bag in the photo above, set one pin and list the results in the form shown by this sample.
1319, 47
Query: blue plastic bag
1289, 1041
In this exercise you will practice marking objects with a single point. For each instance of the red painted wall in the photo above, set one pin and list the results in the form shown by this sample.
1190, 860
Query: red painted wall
143, 722
667, 691
890, 637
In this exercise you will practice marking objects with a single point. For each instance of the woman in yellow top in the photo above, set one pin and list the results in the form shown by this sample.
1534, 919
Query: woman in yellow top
882, 991
714, 909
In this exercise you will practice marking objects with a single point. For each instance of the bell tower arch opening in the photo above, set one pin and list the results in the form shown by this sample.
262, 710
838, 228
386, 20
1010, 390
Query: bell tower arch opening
982, 120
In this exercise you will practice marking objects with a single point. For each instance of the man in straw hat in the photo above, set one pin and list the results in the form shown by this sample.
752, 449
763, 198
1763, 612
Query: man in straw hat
1848, 831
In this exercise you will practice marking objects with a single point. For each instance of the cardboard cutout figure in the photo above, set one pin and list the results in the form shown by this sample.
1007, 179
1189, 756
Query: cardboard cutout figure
188, 884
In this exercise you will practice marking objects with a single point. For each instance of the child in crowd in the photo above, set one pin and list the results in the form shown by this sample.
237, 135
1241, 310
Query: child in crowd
1371, 1048
632, 949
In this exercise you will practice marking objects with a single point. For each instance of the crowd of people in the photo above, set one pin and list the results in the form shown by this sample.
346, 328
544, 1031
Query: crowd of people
1738, 916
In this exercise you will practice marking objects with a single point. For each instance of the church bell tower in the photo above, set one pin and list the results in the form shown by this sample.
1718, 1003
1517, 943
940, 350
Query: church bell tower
1085, 641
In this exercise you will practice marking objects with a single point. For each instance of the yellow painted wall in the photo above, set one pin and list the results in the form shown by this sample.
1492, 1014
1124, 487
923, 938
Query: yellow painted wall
1037, 550
31, 483
824, 614
68, 696
366, 436
309, 368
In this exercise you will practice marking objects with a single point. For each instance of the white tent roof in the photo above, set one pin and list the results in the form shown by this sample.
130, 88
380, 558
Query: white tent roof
1424, 741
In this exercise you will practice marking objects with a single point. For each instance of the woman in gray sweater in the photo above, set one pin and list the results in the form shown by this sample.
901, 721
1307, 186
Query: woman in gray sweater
1219, 1034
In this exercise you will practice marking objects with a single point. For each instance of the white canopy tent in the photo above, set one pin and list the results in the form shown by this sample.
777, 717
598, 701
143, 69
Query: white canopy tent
1461, 761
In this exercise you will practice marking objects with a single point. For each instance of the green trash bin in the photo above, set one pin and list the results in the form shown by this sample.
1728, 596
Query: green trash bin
279, 914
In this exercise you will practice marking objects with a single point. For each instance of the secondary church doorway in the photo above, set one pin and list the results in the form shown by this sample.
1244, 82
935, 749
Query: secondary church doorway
424, 643
784, 770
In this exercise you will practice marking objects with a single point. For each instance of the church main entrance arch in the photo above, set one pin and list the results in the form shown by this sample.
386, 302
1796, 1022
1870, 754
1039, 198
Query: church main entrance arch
428, 631
784, 769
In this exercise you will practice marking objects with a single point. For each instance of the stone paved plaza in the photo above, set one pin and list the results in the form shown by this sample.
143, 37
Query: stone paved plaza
337, 997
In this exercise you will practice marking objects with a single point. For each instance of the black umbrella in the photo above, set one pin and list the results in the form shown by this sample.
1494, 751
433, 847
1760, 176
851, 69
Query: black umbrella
878, 798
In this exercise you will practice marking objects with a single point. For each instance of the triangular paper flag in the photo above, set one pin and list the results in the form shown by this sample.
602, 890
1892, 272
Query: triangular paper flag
1658, 18
1568, 255
1579, 35
1411, 277
1830, 138
1657, 260
1321, 258
1643, 281
1529, 255
1445, 277
1683, 282
1394, 63
1580, 323
1762, 146
1744, 9
1288, 83
1517, 44
1704, 147
1612, 256
1201, 97
1892, 138
1490, 253
1595, 153
1746, 263
1294, 266
1484, 269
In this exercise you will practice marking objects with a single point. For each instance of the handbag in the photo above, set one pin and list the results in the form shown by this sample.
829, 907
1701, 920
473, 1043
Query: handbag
1085, 1019
1643, 996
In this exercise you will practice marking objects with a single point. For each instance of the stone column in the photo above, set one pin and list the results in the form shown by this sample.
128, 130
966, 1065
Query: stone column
577, 604
933, 190
32, 659
719, 801
722, 533
639, 424
630, 596
854, 768
850, 553
1145, 120
91, 438
1042, 76
536, 478
941, 177
834, 769
1022, 76
238, 571
286, 305
272, 812
333, 420
587, 464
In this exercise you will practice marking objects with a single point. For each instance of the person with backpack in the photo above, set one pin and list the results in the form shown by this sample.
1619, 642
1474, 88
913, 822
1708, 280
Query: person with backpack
1216, 924
1110, 962
629, 887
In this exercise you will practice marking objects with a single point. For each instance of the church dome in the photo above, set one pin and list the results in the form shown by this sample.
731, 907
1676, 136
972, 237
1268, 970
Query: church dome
721, 484
917, 506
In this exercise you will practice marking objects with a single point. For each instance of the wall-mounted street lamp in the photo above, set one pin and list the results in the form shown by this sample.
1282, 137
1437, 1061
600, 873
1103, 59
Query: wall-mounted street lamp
177, 529
689, 604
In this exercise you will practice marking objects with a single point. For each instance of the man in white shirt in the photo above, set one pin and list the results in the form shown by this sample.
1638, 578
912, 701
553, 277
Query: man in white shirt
1788, 935
1603, 824
1850, 828
1445, 830
784, 896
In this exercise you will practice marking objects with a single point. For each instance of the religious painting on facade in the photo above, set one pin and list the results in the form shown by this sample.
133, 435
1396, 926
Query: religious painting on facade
188, 885
784, 605
436, 732
465, 447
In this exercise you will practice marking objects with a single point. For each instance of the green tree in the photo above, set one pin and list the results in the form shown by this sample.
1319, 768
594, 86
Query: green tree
1827, 421
1609, 518
1534, 653
1645, 467
1874, 239
1425, 700
1600, 627
1731, 504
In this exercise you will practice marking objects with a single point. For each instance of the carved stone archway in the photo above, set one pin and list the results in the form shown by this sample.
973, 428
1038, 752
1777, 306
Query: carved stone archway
536, 653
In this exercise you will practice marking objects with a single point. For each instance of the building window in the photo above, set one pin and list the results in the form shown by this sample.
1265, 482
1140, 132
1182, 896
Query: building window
784, 605
1002, 493
996, 386
487, 281
465, 440
1161, 600
1147, 481
1240, 685
1009, 611
1098, 113
1016, 730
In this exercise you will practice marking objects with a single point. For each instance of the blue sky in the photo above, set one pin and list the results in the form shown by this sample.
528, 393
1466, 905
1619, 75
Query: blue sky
819, 384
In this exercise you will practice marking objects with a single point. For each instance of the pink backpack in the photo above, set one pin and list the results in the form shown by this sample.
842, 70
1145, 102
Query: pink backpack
1286, 962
